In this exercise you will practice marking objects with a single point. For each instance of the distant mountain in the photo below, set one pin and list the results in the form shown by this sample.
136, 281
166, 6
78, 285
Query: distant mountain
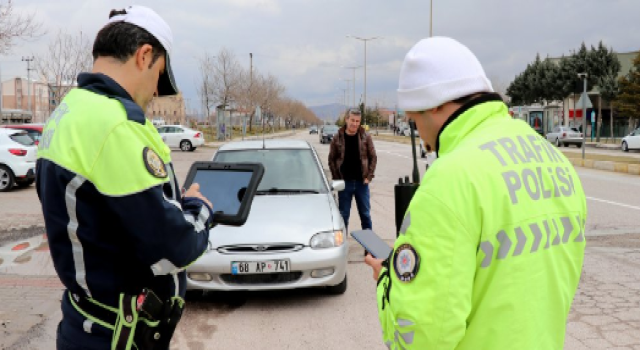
328, 112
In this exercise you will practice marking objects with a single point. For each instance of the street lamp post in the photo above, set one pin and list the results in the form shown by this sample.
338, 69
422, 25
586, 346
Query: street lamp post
346, 104
584, 109
431, 20
365, 63
29, 69
353, 82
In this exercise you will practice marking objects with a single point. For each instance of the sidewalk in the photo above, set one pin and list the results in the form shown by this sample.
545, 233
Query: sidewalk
596, 155
217, 144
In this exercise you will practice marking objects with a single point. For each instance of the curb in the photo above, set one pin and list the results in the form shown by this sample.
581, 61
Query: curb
618, 167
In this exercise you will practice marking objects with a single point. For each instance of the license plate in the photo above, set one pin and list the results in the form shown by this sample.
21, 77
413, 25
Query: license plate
269, 266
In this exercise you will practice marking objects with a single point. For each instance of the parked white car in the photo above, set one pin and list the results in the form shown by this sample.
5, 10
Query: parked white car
631, 141
178, 136
17, 159
565, 136
294, 236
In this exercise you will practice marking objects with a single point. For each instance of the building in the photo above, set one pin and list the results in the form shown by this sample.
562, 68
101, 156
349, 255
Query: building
569, 111
169, 109
15, 97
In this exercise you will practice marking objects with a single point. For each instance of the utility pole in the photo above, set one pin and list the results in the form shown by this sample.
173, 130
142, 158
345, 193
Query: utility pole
29, 69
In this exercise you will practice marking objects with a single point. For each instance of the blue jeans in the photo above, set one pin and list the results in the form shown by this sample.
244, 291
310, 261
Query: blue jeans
359, 190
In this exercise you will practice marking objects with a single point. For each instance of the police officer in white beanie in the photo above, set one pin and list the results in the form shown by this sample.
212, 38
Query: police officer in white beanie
491, 247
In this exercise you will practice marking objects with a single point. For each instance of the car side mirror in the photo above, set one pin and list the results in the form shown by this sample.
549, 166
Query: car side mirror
337, 185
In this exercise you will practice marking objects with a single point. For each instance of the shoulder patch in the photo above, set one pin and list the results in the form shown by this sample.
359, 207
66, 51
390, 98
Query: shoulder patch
154, 163
406, 263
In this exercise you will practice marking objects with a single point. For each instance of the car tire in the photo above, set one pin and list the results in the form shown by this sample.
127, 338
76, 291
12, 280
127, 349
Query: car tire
565, 144
26, 183
185, 145
423, 154
579, 145
625, 147
7, 179
339, 288
192, 149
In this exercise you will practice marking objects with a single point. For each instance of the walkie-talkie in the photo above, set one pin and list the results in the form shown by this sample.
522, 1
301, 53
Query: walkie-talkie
404, 190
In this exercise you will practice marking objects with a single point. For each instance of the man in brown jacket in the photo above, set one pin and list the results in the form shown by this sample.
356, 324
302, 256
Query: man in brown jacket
353, 158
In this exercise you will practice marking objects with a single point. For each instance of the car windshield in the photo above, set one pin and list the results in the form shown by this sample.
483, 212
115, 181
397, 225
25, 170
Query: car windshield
23, 139
332, 129
285, 170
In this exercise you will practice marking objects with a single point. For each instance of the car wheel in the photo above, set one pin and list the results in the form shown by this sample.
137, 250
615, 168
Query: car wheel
192, 149
423, 154
26, 183
6, 179
625, 147
566, 145
185, 145
579, 145
339, 288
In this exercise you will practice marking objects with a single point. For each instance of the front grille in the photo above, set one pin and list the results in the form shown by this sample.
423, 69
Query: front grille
260, 248
267, 278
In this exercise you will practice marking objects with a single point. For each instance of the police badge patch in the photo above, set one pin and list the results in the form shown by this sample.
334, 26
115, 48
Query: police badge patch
154, 163
406, 263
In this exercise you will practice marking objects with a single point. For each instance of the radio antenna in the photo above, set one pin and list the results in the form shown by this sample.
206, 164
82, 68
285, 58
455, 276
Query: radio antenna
416, 173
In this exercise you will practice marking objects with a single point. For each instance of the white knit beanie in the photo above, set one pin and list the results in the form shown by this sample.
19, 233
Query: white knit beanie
439, 70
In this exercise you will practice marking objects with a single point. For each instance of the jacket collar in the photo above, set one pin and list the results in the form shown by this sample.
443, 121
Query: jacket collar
104, 85
464, 120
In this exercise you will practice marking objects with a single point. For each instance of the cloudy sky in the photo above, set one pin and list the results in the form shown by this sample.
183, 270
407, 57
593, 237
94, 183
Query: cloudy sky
303, 42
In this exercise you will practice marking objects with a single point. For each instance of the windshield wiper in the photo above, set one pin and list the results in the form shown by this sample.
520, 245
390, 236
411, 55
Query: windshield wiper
284, 190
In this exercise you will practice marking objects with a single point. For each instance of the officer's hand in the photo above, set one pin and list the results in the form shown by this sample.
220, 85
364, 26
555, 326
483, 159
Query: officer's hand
194, 191
376, 265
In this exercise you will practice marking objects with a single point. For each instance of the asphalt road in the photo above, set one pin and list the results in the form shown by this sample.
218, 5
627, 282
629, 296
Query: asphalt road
606, 313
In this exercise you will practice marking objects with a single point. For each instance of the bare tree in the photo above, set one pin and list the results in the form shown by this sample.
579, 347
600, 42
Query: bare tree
205, 87
66, 57
227, 74
16, 26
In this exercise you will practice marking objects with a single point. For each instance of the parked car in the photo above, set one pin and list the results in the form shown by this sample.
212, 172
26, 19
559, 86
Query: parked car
178, 136
565, 136
313, 130
294, 226
17, 159
631, 141
327, 132
34, 130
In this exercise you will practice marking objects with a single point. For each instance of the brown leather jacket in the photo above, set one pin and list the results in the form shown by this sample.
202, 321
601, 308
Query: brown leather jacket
367, 154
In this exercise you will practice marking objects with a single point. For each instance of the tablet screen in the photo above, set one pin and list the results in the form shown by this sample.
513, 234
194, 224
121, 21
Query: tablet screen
223, 188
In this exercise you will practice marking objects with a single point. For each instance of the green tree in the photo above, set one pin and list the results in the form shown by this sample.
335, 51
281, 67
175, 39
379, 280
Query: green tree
628, 101
609, 90
604, 66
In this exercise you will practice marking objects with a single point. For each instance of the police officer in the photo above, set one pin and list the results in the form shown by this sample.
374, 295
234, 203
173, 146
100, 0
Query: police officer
119, 232
491, 248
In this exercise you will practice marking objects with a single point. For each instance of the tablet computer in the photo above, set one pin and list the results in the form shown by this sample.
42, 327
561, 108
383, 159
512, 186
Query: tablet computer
372, 243
230, 187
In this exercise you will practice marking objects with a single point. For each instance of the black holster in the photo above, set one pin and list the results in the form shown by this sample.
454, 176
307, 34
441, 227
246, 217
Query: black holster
158, 337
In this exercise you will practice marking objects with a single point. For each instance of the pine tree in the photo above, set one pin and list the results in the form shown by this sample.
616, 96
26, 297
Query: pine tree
628, 101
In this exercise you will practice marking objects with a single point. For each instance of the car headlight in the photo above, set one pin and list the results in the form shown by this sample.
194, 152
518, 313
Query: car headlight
327, 239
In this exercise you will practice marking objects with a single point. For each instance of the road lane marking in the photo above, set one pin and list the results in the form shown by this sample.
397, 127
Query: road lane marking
614, 203
401, 155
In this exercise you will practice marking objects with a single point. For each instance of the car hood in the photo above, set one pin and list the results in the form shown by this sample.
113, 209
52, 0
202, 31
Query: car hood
282, 219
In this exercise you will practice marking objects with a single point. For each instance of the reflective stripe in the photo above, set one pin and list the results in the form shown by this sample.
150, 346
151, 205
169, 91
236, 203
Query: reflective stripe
546, 227
505, 245
556, 240
86, 325
537, 237
580, 237
487, 248
404, 323
408, 337
164, 267
72, 230
405, 223
568, 227
176, 284
522, 241
199, 223
172, 201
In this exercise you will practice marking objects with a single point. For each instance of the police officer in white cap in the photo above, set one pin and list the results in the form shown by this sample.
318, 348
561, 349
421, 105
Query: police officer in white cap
491, 247
120, 233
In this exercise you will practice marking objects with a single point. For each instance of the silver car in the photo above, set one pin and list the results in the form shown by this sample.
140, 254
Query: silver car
294, 236
565, 136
